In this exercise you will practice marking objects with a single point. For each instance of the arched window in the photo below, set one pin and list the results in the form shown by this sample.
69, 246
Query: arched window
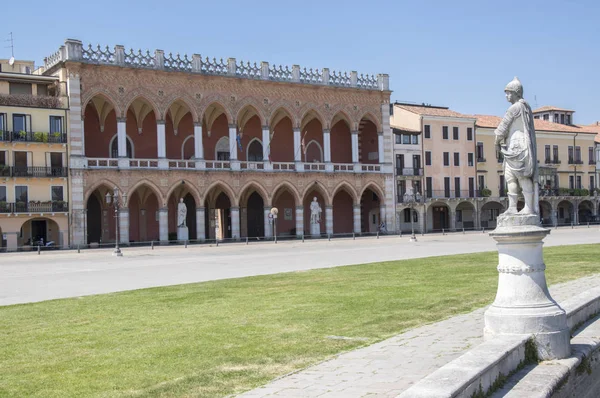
255, 151
114, 147
314, 152
222, 149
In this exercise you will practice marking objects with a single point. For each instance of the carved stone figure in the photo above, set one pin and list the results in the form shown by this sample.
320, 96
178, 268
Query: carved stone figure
181, 213
515, 140
315, 212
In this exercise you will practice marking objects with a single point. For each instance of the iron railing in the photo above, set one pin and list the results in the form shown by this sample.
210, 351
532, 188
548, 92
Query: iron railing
454, 194
37, 172
410, 171
25, 136
34, 207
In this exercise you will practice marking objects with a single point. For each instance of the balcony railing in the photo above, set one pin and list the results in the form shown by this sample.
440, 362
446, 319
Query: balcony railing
34, 207
592, 161
454, 194
24, 136
411, 171
481, 160
564, 192
551, 161
404, 198
35, 172
37, 101
343, 167
577, 161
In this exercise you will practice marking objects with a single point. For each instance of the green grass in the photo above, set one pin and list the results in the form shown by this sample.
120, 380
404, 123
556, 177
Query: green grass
217, 338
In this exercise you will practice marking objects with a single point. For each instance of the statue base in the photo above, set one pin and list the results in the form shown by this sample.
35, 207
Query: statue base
315, 229
523, 305
183, 233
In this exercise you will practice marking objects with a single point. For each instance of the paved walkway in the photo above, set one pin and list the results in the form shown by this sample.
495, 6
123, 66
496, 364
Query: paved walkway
28, 277
388, 368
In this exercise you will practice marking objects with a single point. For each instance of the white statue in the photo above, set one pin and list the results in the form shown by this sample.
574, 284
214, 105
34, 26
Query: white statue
315, 211
515, 139
181, 213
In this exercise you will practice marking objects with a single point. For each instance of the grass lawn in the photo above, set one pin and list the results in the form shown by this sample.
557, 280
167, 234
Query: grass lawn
217, 338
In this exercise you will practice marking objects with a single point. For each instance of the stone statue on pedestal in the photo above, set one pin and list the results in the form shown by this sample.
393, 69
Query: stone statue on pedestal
181, 213
515, 140
315, 212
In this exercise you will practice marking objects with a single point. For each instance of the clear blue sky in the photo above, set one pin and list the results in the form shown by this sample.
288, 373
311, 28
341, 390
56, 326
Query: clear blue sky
454, 53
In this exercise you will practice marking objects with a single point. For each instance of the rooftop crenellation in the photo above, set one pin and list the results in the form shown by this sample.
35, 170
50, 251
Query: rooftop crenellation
73, 50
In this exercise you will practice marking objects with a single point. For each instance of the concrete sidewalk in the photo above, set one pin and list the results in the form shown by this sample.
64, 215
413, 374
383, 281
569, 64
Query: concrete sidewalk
388, 368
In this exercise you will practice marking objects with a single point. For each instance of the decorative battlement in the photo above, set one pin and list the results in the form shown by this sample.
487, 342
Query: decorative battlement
73, 50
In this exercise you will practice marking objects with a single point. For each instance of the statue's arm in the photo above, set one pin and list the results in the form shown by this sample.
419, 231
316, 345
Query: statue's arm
503, 128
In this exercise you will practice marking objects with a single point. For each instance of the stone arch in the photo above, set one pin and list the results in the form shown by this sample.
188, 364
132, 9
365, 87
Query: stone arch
255, 139
342, 115
281, 109
184, 99
58, 225
370, 117
152, 186
375, 188
128, 141
103, 182
309, 150
349, 189
319, 187
585, 211
438, 215
189, 187
191, 137
245, 109
290, 187
206, 109
103, 92
143, 95
565, 212
247, 189
546, 210
310, 114
218, 187
468, 214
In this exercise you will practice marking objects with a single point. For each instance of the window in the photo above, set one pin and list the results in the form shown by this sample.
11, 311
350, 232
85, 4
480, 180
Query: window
471, 187
398, 138
469, 134
481, 182
562, 119
456, 158
578, 182
458, 215
578, 154
592, 185
21, 122
407, 216
416, 186
470, 159
480, 157
42, 90
416, 162
457, 187
546, 117
427, 158
401, 188
56, 124
2, 158
445, 132
415, 139
571, 182
455, 133
405, 139
556, 118
446, 158
447, 187
400, 162
571, 155
20, 88
555, 153
2, 193
568, 119
547, 153
57, 193
494, 213
222, 149
21, 194
427, 131
3, 126
591, 155
429, 186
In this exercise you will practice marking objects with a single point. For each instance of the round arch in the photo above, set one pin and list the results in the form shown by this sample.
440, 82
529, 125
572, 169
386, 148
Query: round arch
349, 189
214, 189
152, 186
52, 232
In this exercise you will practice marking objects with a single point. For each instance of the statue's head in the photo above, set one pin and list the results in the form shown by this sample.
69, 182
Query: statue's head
180, 200
315, 199
514, 90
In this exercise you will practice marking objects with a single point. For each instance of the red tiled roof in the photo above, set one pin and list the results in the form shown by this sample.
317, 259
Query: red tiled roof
431, 111
551, 108
489, 121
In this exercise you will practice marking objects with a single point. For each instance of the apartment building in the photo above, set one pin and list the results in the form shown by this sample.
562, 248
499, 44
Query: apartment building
554, 114
33, 158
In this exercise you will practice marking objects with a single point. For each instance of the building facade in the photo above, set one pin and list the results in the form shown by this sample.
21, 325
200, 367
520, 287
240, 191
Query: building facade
33, 158
233, 139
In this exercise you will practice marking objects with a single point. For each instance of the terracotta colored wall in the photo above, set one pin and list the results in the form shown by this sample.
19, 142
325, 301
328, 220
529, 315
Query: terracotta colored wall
143, 228
282, 143
341, 143
283, 201
252, 129
368, 142
220, 128
307, 199
343, 215
366, 205
96, 142
144, 145
174, 142
313, 131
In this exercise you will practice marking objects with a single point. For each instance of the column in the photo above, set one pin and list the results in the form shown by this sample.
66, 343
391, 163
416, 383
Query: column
198, 147
380, 147
161, 139
235, 223
77, 207
243, 221
82, 135
422, 220
354, 146
266, 141
477, 215
268, 225
163, 224
329, 220
326, 146
299, 221
555, 217
124, 225
575, 213
382, 214
75, 135
122, 136
452, 220
297, 146
356, 214
12, 241
233, 147
200, 223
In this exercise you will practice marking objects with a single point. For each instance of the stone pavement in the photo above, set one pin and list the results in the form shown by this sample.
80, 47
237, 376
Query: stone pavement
387, 368
27, 277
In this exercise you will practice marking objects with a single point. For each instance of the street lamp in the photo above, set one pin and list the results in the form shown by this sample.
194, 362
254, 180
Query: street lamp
274, 212
412, 199
117, 199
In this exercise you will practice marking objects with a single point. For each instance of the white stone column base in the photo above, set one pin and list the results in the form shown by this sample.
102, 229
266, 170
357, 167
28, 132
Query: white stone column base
200, 223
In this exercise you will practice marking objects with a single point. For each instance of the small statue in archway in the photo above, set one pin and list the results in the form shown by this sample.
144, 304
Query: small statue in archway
181, 213
315, 211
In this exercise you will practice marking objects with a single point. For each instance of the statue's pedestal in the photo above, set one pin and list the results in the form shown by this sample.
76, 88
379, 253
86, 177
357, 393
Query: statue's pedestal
183, 233
523, 305
315, 229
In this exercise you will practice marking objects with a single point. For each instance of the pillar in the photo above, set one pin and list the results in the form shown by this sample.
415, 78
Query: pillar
233, 146
575, 213
382, 215
554, 217
356, 214
297, 146
326, 146
82, 134
452, 220
161, 142
380, 147
163, 224
122, 136
423, 219
266, 140
77, 206
244, 222
235, 223
198, 146
12, 241
124, 225
200, 223
75, 131
329, 220
268, 223
299, 221
354, 146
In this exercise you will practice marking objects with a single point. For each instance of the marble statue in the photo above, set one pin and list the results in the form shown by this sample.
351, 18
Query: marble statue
181, 213
315, 211
515, 140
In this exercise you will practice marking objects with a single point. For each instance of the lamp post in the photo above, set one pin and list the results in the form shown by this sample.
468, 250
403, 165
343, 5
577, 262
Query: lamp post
412, 198
274, 212
117, 199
